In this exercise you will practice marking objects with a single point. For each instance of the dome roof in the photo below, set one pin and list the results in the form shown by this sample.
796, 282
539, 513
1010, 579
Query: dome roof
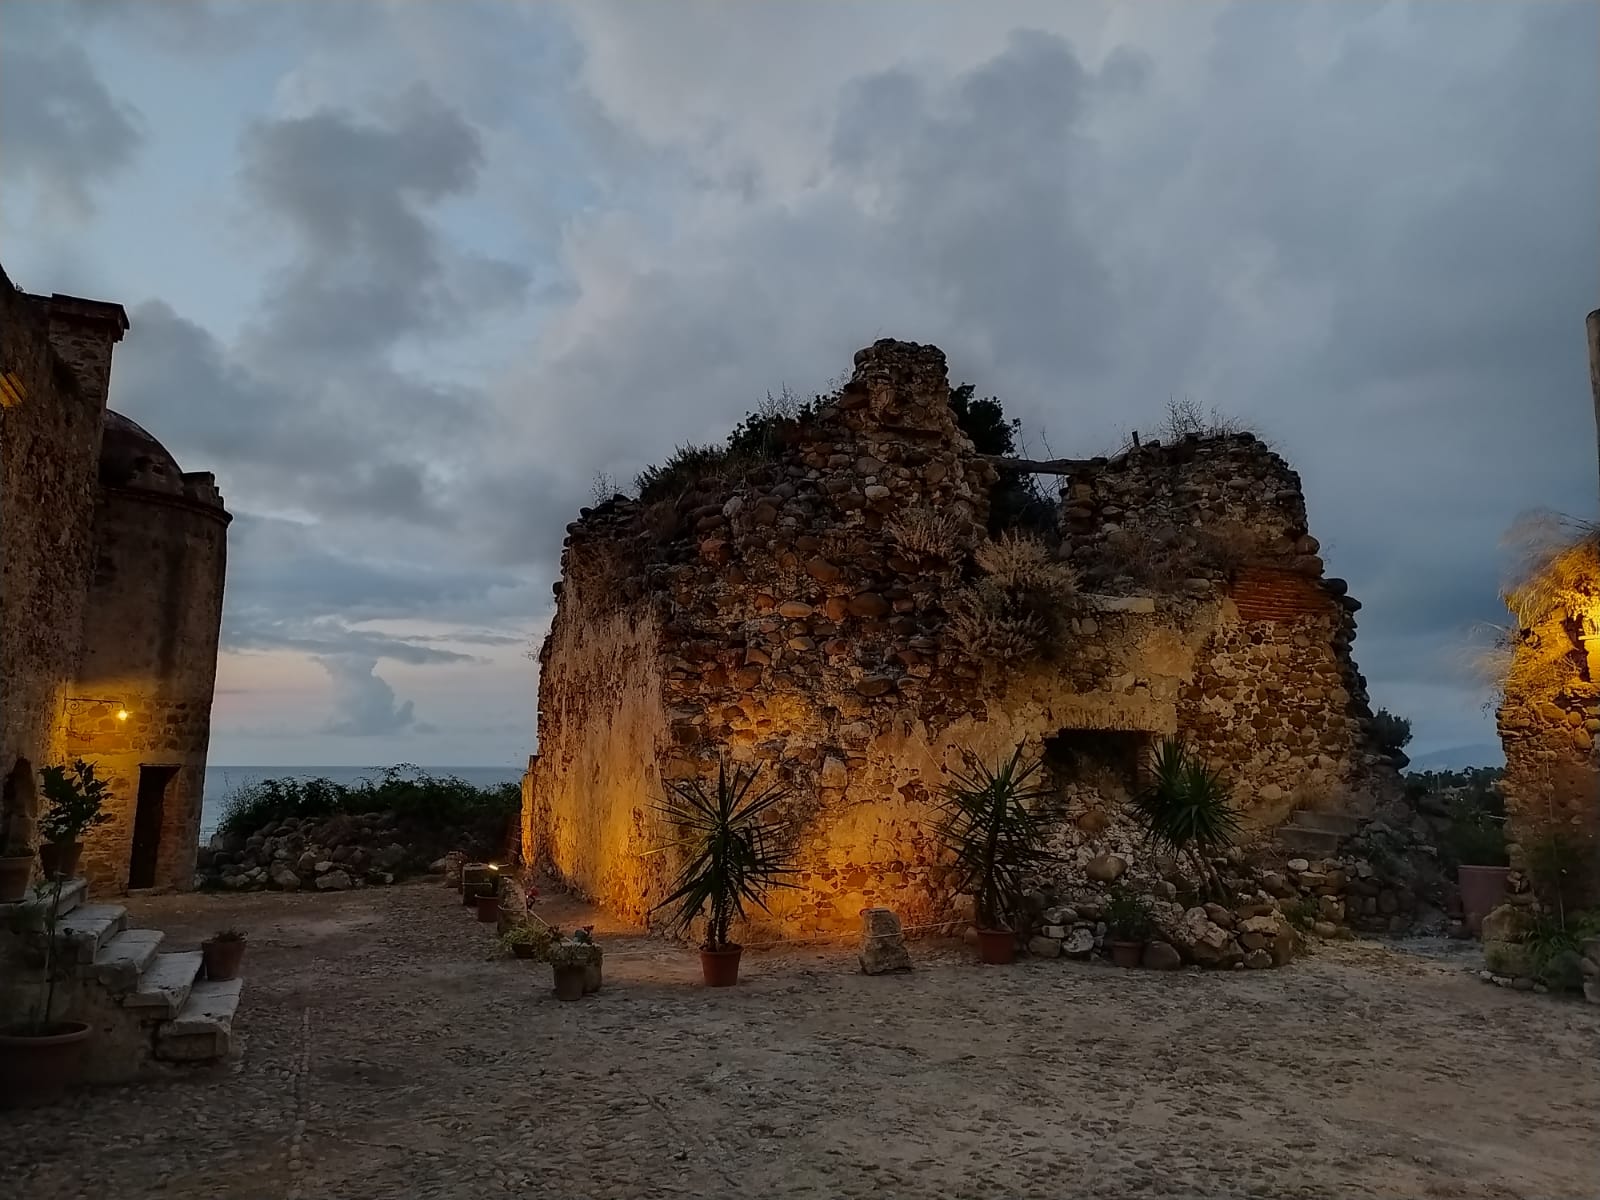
131, 458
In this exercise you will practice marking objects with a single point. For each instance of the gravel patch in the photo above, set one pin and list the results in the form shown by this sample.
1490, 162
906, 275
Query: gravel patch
384, 1049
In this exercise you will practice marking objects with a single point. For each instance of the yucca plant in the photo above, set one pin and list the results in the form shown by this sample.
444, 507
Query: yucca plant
735, 853
995, 820
1187, 807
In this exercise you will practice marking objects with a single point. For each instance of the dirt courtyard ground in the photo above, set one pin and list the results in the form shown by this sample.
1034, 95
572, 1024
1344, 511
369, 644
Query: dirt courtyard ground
384, 1050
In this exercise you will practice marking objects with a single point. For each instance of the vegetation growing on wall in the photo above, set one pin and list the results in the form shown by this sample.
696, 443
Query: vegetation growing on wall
1019, 608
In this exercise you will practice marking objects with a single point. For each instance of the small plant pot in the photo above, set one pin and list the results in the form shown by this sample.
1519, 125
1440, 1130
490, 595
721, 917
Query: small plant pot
488, 909
569, 982
221, 959
1127, 954
37, 1066
522, 950
591, 975
720, 968
60, 858
1482, 890
14, 873
997, 947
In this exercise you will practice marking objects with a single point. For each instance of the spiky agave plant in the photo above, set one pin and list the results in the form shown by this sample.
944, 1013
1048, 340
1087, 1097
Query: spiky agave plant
1187, 807
994, 821
733, 851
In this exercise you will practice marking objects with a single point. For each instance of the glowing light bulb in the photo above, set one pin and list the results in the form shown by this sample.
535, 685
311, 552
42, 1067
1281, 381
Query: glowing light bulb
122, 714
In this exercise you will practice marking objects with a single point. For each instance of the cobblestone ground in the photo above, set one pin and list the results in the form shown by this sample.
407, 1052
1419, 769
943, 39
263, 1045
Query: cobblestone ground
383, 1050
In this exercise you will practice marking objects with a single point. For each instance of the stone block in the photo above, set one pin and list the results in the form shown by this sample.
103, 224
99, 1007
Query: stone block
1044, 947
883, 944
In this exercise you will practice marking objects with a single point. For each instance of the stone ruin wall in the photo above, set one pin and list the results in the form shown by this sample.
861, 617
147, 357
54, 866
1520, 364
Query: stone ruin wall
776, 617
49, 442
1276, 699
1548, 721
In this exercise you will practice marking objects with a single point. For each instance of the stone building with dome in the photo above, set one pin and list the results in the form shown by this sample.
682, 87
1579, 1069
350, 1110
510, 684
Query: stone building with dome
111, 602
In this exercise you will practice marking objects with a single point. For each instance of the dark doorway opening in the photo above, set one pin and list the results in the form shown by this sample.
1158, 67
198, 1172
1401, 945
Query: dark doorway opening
1112, 761
147, 819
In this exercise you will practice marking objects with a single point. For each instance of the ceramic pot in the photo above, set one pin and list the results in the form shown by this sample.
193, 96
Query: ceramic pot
997, 947
221, 959
37, 1066
720, 968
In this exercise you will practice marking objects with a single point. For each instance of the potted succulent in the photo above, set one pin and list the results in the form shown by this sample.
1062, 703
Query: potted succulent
994, 822
1129, 923
40, 1057
571, 960
222, 953
75, 798
733, 852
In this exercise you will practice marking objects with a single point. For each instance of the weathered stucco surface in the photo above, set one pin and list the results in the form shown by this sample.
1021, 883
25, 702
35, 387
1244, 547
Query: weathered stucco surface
114, 562
800, 613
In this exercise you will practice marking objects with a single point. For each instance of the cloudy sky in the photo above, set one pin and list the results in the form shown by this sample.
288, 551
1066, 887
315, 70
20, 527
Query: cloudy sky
407, 276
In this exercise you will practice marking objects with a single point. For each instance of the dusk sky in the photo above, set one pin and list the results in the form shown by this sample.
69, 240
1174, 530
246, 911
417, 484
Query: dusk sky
408, 276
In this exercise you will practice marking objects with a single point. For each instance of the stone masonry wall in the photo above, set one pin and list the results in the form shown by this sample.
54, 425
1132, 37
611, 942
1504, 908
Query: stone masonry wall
49, 442
150, 645
1549, 721
1277, 701
790, 621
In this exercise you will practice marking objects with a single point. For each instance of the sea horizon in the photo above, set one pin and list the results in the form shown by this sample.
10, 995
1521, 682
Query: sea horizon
222, 780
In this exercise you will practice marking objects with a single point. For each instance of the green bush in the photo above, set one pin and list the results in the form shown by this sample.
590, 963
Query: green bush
411, 794
1128, 916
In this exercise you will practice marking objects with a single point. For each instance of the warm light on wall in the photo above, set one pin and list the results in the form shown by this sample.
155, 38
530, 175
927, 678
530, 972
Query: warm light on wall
122, 714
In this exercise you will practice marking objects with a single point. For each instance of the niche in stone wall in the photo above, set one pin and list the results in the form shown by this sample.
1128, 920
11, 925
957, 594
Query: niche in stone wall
1095, 772
19, 806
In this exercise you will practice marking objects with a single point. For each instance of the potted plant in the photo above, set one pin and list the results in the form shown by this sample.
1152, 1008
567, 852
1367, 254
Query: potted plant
1477, 841
1129, 923
591, 966
222, 953
488, 905
571, 961
732, 853
526, 940
1187, 808
75, 798
994, 822
40, 1057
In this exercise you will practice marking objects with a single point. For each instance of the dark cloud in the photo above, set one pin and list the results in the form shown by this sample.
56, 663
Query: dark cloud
62, 131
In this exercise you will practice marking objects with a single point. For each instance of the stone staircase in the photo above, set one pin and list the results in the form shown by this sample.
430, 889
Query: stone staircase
145, 1004
1318, 834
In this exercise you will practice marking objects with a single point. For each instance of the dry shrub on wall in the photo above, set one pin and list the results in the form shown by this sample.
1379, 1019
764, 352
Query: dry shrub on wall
929, 538
1021, 605
1556, 571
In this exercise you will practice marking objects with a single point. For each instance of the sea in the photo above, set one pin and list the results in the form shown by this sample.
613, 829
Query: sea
222, 782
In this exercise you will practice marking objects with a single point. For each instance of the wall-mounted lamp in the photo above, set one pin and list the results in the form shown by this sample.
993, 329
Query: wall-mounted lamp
122, 714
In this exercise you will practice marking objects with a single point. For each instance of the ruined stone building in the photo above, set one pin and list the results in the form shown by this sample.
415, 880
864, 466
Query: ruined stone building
845, 606
112, 596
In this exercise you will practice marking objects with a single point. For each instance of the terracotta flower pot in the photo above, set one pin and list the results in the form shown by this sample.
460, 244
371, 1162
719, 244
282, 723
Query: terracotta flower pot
488, 908
569, 982
1127, 954
997, 947
37, 1066
1482, 890
720, 968
591, 975
14, 872
60, 858
221, 959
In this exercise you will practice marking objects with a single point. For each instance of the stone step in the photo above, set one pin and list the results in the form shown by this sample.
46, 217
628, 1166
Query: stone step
125, 958
82, 932
32, 913
203, 1029
1321, 842
165, 987
1341, 823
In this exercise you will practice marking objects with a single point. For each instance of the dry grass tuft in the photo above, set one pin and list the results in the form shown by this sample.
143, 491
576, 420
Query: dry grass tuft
1020, 609
928, 537
1557, 569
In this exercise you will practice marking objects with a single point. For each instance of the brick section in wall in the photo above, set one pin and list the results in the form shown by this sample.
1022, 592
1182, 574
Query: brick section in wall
1268, 594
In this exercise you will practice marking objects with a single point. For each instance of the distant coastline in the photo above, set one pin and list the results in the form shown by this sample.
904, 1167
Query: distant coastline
222, 782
